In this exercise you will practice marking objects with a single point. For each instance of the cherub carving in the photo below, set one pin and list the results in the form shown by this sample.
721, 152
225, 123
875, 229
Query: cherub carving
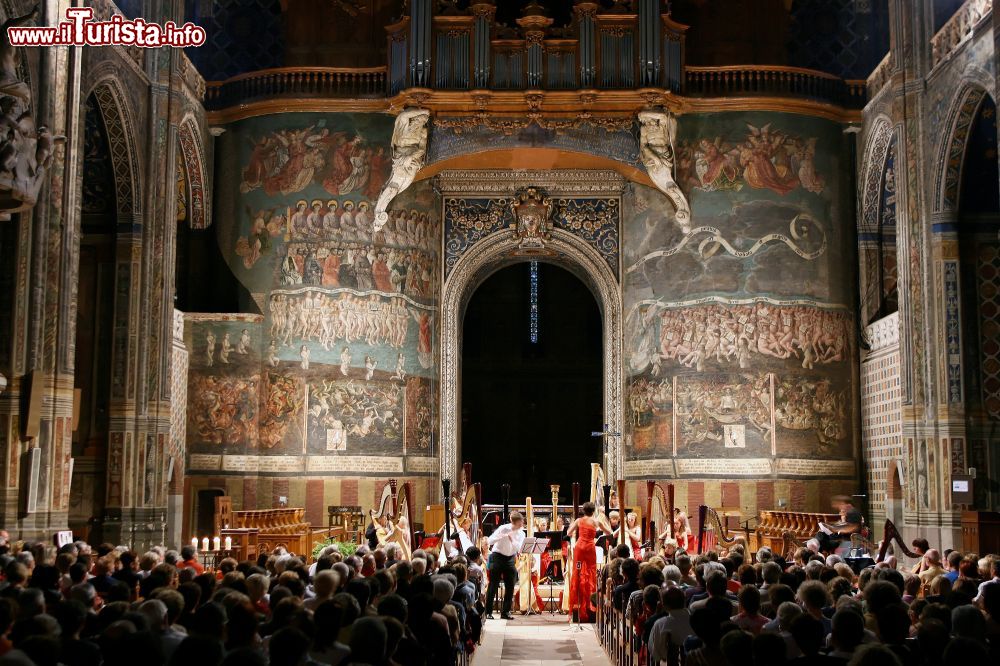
657, 130
409, 149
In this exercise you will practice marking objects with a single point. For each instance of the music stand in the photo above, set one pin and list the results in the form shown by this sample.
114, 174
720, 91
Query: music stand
532, 546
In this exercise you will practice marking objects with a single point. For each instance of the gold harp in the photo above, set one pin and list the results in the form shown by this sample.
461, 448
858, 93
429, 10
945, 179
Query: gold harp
709, 519
659, 509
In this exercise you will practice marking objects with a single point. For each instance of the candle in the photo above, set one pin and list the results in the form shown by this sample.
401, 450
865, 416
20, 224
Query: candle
204, 544
229, 543
194, 543
217, 543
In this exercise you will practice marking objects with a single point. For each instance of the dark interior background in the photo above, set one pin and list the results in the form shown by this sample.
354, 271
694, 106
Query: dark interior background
528, 409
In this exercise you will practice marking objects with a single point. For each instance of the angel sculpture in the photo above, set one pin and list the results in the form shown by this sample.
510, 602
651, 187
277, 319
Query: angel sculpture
409, 149
656, 149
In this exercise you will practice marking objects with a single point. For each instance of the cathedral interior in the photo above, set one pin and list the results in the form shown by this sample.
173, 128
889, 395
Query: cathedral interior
747, 248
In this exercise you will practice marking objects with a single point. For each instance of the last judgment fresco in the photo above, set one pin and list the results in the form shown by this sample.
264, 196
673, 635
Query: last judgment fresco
340, 360
738, 331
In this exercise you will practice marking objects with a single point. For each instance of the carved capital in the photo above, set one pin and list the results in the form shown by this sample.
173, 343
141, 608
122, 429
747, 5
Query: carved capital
534, 100
485, 10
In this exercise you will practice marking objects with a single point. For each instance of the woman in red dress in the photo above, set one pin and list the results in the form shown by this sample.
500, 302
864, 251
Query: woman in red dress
583, 582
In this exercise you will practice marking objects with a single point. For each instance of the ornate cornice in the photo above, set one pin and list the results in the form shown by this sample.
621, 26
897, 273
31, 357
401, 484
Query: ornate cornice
558, 104
557, 183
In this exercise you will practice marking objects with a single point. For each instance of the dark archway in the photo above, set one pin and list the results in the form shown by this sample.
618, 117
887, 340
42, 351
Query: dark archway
979, 280
529, 407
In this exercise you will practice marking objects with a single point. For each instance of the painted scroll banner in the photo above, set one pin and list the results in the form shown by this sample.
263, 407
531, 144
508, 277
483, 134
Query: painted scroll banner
649, 469
815, 468
355, 464
201, 462
421, 465
728, 467
262, 464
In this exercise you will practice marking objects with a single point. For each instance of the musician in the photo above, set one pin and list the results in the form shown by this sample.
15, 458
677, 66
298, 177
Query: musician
583, 578
633, 533
682, 530
505, 543
830, 536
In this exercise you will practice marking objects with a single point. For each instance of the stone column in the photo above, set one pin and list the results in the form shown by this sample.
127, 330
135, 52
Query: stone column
39, 349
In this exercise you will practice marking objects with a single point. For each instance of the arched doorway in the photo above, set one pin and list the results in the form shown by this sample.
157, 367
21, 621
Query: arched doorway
531, 380
500, 249
978, 226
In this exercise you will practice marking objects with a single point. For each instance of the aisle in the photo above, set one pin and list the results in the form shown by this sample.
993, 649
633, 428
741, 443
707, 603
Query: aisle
537, 640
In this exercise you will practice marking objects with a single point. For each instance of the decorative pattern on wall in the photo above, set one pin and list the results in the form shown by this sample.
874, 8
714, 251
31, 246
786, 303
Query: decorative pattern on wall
881, 409
119, 127
243, 36
953, 335
98, 174
613, 138
194, 160
843, 37
469, 220
949, 179
988, 272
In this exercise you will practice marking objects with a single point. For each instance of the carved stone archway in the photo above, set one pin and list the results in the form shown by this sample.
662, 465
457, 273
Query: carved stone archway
488, 255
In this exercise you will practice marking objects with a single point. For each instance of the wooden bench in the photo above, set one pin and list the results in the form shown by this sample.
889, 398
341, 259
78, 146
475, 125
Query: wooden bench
260, 531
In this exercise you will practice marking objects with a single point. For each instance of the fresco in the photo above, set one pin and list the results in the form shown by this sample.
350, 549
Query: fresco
738, 332
340, 368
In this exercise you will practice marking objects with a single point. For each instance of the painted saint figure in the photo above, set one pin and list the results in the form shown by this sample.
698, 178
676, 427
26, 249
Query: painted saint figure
243, 346
272, 354
400, 368
227, 348
210, 348
345, 361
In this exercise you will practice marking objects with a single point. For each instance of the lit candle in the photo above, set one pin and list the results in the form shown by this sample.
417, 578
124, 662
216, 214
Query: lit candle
204, 544
229, 543
217, 542
194, 543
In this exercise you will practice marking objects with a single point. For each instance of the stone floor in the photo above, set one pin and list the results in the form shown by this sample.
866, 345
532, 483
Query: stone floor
538, 640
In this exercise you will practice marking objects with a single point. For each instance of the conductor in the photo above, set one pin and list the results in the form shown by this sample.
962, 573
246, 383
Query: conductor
505, 543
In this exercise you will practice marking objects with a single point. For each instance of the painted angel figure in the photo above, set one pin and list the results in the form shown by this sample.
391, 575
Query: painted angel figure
656, 149
409, 149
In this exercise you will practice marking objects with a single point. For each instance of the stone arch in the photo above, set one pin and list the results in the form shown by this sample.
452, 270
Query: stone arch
120, 128
880, 140
481, 260
951, 153
193, 154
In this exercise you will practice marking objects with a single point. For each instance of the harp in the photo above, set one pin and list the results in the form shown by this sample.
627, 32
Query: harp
892, 534
709, 520
659, 514
526, 599
397, 509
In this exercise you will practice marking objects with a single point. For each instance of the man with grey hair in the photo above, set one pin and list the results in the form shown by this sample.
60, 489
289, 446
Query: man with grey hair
764, 555
787, 612
159, 624
771, 573
85, 594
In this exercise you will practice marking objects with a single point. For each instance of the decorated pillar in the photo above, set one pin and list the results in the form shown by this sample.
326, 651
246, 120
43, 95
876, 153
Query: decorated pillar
38, 196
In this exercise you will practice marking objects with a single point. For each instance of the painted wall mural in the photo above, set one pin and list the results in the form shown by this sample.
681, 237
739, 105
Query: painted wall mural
337, 374
739, 332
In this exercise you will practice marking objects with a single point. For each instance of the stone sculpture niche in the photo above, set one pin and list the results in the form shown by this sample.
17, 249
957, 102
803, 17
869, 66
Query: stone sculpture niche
25, 150
657, 130
409, 149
